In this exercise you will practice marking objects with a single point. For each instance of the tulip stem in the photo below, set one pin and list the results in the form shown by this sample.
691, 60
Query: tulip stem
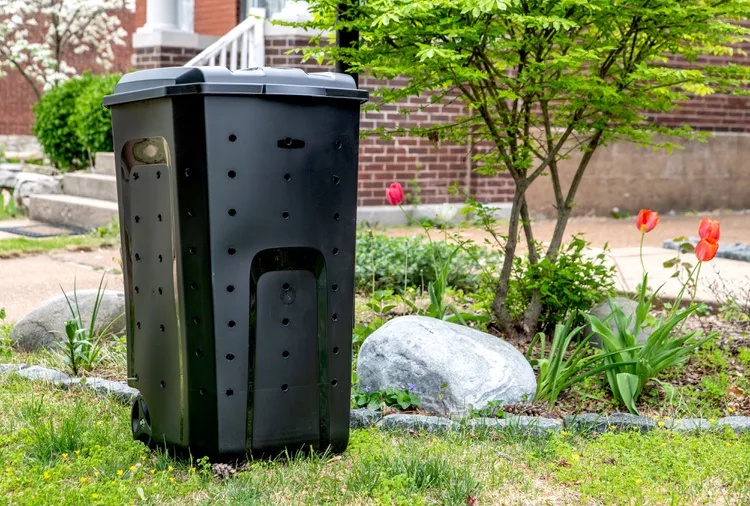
643, 265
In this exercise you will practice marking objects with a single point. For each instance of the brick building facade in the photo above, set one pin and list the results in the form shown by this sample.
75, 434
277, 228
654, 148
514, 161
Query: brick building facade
381, 162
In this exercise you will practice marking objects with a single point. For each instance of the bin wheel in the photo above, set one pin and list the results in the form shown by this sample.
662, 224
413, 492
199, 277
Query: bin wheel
141, 421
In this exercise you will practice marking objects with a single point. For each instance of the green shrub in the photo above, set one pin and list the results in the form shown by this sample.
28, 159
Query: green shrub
387, 256
572, 283
91, 120
71, 123
52, 124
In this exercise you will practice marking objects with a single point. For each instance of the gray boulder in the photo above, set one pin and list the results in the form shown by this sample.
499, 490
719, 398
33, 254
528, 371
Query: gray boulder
38, 373
603, 310
8, 174
29, 183
45, 326
450, 367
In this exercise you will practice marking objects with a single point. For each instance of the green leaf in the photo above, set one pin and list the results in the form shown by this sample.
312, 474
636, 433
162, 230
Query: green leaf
628, 386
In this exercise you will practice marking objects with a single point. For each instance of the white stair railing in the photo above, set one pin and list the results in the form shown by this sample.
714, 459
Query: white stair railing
243, 47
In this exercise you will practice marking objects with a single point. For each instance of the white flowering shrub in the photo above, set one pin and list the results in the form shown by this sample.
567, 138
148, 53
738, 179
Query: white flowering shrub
39, 38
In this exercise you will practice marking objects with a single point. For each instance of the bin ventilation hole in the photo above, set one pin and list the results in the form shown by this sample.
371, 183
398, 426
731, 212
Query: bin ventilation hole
202, 391
187, 172
335, 317
193, 286
161, 259
161, 291
230, 356
334, 382
191, 213
335, 287
158, 174
138, 325
286, 286
231, 324
135, 175
162, 384
158, 217
285, 354
137, 290
287, 177
191, 250
285, 322
137, 219
337, 144
232, 212
232, 174
336, 216
284, 387
335, 251
232, 138
137, 257
161, 328
230, 288
285, 215
230, 392
335, 350
289, 143
198, 352
196, 320
231, 251
336, 179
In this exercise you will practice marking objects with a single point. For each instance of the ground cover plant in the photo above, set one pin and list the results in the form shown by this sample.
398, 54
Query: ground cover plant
74, 448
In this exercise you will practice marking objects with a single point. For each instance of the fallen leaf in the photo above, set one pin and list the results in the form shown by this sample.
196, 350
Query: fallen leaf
735, 391
609, 460
471, 501
563, 463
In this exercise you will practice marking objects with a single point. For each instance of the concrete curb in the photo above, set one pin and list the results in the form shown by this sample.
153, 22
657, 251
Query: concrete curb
394, 216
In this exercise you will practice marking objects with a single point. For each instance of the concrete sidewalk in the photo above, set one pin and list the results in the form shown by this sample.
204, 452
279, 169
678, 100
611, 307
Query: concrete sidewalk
730, 275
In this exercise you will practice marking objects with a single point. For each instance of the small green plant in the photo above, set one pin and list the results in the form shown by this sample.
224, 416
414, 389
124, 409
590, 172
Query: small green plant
633, 364
559, 369
110, 230
83, 348
390, 397
493, 409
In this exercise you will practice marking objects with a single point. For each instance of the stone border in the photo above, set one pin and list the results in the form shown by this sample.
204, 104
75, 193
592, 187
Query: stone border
736, 251
368, 418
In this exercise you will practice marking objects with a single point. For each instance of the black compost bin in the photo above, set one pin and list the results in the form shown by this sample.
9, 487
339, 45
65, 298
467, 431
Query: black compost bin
237, 194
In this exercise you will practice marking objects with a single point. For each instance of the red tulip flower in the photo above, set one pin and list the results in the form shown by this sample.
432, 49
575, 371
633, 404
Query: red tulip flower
647, 220
706, 250
394, 194
709, 229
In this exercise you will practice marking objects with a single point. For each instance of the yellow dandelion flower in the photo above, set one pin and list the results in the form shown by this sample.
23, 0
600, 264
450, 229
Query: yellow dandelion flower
661, 424
731, 410
99, 422
46, 475
113, 482
65, 455
667, 418
664, 444
96, 474
678, 422
83, 479
171, 479
192, 469
612, 427
638, 481
153, 471
7, 469
143, 457
94, 496
77, 452
575, 456
727, 444
170, 468
120, 472
132, 468
713, 420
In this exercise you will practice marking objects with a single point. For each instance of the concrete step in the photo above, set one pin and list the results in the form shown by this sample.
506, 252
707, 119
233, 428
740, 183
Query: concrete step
104, 163
72, 210
93, 186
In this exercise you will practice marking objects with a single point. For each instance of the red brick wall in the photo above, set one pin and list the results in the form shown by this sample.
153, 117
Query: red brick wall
17, 98
403, 159
215, 17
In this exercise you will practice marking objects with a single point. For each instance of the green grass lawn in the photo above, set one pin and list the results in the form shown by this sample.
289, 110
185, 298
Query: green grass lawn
21, 246
74, 448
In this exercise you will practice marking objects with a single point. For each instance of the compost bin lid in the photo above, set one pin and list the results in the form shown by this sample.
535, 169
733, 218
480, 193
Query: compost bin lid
175, 81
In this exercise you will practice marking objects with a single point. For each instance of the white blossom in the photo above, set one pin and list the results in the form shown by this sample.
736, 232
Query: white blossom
38, 37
